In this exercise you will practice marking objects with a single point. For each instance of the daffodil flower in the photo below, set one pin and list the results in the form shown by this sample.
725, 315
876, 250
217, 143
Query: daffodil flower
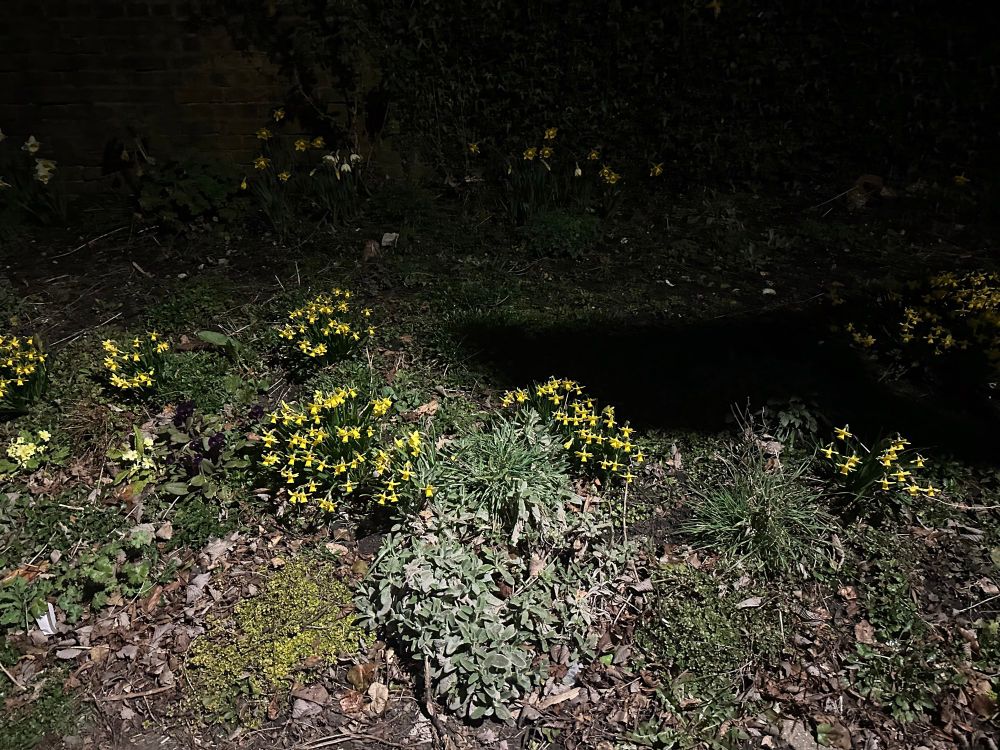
842, 433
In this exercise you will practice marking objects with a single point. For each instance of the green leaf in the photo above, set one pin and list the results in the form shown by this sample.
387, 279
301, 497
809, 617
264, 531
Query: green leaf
214, 338
176, 488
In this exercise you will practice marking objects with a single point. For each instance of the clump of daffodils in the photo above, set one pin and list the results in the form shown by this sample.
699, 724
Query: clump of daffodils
134, 367
28, 452
949, 313
326, 328
890, 468
334, 446
22, 372
596, 440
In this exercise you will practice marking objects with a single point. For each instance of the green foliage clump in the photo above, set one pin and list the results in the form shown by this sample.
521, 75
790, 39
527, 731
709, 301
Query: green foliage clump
176, 193
561, 234
764, 516
41, 723
904, 677
120, 567
299, 614
907, 666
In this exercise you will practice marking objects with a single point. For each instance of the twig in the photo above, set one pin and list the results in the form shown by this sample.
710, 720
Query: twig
440, 732
977, 604
831, 200
331, 741
89, 242
79, 333
130, 696
12, 678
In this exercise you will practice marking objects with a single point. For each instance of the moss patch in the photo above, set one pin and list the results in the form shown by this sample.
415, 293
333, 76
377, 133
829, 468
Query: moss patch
303, 612
698, 629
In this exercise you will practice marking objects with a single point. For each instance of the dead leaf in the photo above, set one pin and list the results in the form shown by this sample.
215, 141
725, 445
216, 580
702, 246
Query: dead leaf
553, 700
352, 702
371, 251
302, 709
427, 410
753, 601
313, 693
360, 676
379, 694
274, 707
864, 632
165, 532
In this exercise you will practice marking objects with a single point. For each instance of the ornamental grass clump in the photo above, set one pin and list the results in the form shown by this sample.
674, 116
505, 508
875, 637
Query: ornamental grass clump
336, 445
134, 367
875, 480
597, 442
760, 514
325, 329
23, 373
514, 476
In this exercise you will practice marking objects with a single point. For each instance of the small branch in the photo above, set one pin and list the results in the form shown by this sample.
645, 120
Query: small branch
12, 678
977, 604
89, 242
130, 696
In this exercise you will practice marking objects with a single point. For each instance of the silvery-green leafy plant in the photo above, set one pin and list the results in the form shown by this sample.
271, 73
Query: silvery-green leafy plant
500, 568
482, 619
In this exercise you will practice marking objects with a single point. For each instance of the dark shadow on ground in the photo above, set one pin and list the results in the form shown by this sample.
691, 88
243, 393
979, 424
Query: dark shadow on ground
689, 376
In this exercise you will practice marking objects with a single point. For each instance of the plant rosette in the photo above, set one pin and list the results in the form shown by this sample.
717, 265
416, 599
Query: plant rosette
29, 452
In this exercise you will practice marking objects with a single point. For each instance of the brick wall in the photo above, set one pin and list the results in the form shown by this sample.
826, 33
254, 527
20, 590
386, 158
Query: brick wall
79, 74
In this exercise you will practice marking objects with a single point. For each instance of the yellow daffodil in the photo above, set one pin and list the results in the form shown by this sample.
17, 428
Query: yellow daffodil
530, 153
264, 134
842, 432
473, 148
261, 162
656, 170
278, 114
